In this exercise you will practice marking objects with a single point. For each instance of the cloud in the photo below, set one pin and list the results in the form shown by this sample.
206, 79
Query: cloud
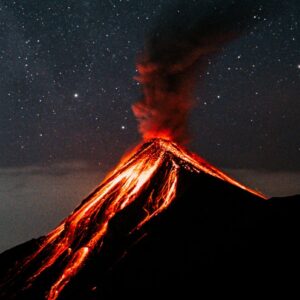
271, 183
35, 199
170, 63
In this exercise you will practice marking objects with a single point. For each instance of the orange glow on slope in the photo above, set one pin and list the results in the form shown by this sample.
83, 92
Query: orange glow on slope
72, 268
83, 231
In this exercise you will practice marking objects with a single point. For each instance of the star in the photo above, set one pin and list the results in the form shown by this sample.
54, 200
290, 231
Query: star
76, 95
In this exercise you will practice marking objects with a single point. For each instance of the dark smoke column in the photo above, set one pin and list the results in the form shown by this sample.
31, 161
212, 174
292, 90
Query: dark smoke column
173, 55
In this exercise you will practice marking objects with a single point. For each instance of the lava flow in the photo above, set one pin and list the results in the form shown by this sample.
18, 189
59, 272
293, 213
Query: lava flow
84, 230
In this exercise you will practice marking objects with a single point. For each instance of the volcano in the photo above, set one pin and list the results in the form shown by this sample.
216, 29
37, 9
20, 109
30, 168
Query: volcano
163, 222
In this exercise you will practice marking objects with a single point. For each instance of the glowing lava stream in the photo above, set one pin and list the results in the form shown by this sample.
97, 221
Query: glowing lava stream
73, 239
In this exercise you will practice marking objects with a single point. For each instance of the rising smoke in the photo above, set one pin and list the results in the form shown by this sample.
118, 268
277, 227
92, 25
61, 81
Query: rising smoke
175, 51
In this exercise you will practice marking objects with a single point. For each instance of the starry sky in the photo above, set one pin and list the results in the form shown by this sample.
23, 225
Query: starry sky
67, 86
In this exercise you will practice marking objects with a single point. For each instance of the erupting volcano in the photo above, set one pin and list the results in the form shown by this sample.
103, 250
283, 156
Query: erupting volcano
162, 213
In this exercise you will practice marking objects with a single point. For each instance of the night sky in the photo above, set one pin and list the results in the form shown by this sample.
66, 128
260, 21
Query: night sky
67, 86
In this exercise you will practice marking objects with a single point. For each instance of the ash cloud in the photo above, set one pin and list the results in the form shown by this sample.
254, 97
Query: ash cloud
175, 52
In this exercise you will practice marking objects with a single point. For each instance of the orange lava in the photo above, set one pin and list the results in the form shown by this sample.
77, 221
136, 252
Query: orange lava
83, 231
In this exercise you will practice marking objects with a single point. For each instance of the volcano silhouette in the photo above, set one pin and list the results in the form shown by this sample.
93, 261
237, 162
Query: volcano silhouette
164, 222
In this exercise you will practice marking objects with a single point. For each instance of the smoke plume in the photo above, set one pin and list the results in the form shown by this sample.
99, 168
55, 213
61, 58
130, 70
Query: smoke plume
176, 50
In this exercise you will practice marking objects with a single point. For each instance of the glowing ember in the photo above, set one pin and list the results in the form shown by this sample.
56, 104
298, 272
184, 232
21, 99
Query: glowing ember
83, 231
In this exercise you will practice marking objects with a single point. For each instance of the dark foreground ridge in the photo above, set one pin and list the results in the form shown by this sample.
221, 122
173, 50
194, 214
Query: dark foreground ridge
214, 238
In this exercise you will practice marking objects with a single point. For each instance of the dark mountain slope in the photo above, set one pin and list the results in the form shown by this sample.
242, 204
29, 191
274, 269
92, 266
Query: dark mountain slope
223, 241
